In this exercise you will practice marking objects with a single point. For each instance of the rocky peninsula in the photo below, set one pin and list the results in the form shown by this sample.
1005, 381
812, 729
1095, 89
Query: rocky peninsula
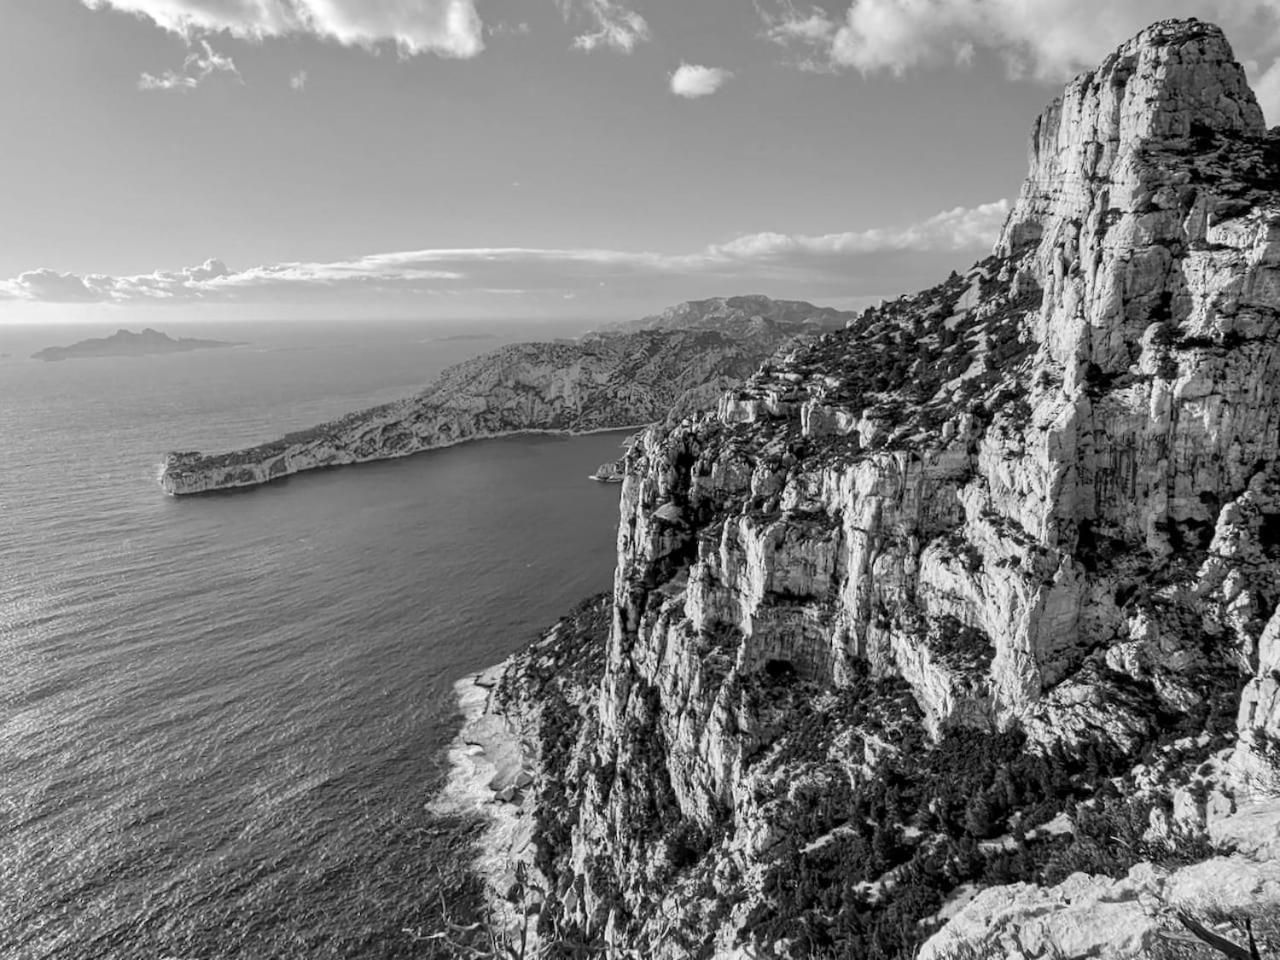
955, 630
602, 381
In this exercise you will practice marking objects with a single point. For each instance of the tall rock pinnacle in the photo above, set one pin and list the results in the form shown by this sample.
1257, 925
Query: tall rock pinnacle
1176, 80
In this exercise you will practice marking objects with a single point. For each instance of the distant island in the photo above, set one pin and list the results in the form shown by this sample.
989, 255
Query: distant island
126, 343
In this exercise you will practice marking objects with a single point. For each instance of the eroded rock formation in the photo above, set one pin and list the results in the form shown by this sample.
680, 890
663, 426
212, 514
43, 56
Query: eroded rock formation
1039, 499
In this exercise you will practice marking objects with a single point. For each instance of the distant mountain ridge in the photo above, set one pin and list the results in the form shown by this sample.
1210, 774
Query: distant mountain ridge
735, 315
126, 343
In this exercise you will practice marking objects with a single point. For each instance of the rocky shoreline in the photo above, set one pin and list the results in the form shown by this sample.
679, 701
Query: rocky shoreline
610, 472
179, 472
504, 765
491, 770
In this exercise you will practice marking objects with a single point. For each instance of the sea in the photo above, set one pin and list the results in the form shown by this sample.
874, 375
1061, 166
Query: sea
223, 718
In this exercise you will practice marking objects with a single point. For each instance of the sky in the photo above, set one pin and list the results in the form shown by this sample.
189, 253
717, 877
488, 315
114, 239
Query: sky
168, 160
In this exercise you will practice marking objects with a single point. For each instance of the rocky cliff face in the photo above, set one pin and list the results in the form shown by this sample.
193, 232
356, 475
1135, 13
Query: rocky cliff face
1130, 916
1039, 500
597, 383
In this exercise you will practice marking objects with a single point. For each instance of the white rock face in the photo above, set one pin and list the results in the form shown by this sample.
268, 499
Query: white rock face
1042, 493
1126, 919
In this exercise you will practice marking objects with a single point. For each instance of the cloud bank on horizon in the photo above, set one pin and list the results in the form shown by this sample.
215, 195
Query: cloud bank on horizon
492, 270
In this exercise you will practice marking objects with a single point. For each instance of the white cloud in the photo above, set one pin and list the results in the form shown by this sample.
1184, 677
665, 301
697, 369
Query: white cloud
792, 25
201, 62
692, 81
169, 80
449, 28
963, 228
1266, 85
212, 280
611, 24
506, 29
49, 286
1047, 39
298, 81
799, 258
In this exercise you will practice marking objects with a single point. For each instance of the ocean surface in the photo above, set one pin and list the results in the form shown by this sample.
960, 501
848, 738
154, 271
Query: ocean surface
221, 717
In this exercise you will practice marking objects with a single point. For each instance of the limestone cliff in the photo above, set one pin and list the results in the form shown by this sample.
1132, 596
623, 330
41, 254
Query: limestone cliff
599, 382
1033, 511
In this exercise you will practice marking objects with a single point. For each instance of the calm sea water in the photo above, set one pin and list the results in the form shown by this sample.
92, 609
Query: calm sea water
221, 717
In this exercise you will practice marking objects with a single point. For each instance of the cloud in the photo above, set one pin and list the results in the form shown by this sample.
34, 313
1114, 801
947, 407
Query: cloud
506, 29
201, 62
963, 228
1266, 86
611, 24
298, 81
1046, 39
790, 24
804, 260
49, 286
448, 28
692, 81
169, 80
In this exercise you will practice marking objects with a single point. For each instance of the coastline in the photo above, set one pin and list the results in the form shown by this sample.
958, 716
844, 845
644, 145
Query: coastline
508, 767
491, 775
162, 467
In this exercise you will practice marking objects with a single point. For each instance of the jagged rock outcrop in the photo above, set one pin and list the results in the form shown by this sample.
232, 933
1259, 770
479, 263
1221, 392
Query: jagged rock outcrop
600, 382
1129, 918
1040, 496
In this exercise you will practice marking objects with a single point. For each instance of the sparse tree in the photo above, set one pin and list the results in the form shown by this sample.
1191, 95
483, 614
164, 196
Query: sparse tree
1223, 945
